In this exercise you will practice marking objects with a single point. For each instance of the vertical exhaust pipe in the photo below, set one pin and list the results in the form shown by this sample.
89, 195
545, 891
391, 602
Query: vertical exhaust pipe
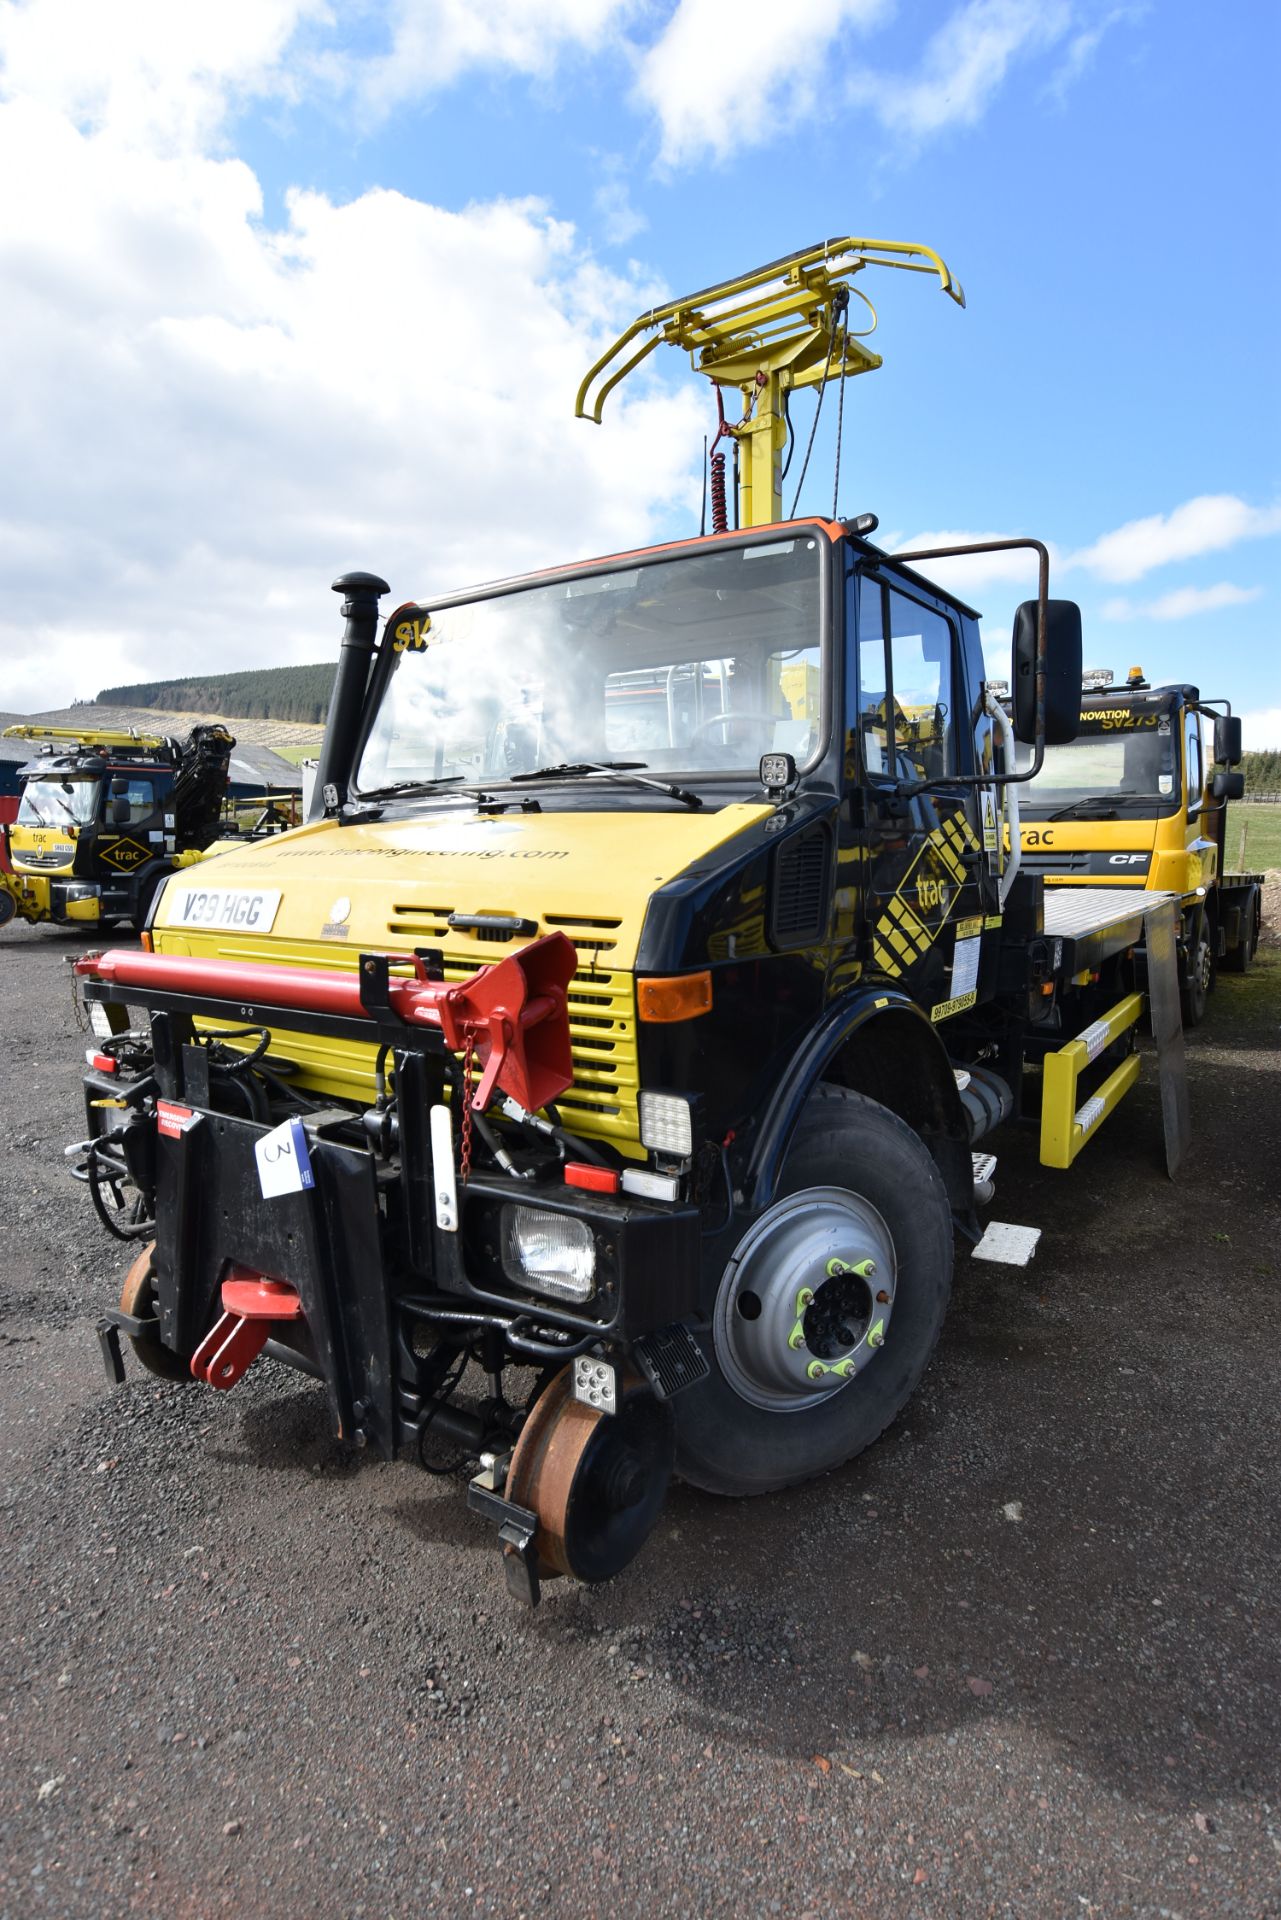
360, 610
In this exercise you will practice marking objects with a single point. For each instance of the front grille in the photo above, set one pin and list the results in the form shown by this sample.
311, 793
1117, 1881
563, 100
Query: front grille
43, 862
602, 1018
1075, 861
423, 923
602, 1037
588, 935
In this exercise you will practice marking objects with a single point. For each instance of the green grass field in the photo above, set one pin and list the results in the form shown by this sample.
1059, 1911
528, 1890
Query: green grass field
1261, 827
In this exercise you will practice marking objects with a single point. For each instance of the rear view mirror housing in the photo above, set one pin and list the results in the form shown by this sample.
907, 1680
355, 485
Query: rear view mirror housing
1228, 786
1062, 672
1227, 740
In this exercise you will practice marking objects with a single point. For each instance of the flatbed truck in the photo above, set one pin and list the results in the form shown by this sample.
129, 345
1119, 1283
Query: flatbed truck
1137, 801
627, 1027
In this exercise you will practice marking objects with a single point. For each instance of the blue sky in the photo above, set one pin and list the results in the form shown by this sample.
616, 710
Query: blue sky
293, 287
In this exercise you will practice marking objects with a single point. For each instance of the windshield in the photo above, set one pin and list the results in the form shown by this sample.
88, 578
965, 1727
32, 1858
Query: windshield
57, 803
698, 664
1130, 762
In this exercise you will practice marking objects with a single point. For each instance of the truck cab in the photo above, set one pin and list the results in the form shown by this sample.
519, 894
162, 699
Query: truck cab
103, 816
1138, 800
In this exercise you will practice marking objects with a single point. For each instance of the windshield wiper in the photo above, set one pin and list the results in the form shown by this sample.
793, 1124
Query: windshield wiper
1092, 800
575, 769
409, 786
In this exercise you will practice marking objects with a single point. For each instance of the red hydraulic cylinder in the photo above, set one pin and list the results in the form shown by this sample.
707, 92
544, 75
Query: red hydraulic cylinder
514, 1013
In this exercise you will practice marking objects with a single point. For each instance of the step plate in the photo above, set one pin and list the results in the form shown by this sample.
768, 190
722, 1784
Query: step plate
1008, 1246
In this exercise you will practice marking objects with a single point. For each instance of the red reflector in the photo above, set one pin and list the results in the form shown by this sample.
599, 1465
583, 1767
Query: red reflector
101, 1062
173, 1120
594, 1179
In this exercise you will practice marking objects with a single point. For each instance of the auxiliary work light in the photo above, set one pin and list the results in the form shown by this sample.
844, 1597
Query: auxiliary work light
667, 1123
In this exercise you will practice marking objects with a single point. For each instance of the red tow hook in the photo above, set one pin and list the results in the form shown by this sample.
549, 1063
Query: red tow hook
252, 1305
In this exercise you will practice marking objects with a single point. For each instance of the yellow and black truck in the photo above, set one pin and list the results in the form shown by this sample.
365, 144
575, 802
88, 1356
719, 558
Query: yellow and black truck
1138, 800
597, 1083
104, 817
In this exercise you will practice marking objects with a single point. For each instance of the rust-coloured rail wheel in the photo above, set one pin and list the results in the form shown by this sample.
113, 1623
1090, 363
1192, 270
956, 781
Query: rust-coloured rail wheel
138, 1299
596, 1481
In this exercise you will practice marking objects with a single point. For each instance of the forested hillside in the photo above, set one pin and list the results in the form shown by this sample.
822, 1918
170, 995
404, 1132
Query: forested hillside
264, 693
1262, 771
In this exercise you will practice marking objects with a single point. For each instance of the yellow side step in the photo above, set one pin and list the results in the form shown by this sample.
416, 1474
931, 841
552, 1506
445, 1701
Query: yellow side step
1065, 1127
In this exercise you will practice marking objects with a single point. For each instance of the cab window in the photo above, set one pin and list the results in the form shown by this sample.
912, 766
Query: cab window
906, 682
1196, 767
139, 796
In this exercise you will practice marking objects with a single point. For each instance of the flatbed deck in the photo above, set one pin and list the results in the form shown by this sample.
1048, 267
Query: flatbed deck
1096, 922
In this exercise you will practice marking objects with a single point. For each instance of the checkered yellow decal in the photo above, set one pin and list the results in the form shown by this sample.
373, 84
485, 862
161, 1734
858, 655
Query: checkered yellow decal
919, 908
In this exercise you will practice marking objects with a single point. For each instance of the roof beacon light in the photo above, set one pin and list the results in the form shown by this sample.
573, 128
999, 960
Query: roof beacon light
1134, 678
1096, 677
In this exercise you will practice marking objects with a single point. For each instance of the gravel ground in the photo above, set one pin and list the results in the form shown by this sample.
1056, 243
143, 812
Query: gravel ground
1022, 1659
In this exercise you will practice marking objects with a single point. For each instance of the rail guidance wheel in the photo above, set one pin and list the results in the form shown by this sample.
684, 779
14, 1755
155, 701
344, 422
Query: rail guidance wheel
596, 1481
138, 1300
828, 1309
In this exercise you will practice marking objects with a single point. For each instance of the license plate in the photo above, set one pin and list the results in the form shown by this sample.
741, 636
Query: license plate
251, 909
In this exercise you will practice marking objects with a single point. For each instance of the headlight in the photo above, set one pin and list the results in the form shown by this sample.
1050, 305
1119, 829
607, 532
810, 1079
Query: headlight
551, 1253
667, 1124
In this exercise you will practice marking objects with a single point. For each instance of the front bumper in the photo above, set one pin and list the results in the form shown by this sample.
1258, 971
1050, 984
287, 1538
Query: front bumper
362, 1249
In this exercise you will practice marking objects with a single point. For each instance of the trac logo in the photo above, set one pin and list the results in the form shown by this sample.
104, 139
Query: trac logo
125, 855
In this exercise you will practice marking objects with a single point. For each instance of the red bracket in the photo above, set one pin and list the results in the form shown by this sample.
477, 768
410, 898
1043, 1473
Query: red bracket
252, 1305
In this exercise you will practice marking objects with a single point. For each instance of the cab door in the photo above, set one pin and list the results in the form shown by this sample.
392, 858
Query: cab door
133, 830
913, 745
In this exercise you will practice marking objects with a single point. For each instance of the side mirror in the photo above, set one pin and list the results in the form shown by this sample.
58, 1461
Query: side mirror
120, 813
119, 785
1227, 741
1062, 672
1228, 786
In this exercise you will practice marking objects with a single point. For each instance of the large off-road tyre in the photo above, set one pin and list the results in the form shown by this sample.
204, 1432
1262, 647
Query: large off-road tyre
1241, 958
862, 1226
1195, 991
138, 1299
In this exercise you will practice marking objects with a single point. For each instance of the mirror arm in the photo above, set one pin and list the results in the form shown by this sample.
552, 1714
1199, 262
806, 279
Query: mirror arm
1042, 552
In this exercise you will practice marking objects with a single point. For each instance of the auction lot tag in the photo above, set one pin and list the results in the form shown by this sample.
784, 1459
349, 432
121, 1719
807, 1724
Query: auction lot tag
284, 1165
252, 908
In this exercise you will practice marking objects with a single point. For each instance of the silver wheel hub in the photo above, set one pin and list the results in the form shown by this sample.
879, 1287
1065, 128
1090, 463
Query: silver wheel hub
805, 1302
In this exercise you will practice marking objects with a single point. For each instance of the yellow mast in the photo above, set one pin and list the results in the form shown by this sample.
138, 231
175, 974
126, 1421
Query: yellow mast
784, 326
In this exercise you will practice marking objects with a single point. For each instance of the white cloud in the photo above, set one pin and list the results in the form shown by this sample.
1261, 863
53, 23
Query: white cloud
434, 42
1084, 44
1181, 603
208, 419
154, 73
963, 65
1261, 730
1205, 525
720, 81
620, 220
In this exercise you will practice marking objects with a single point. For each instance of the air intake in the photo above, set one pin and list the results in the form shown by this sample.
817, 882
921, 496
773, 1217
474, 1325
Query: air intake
799, 895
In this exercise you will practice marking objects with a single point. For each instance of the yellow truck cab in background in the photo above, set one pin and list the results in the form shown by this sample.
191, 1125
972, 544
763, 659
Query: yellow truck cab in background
1138, 800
